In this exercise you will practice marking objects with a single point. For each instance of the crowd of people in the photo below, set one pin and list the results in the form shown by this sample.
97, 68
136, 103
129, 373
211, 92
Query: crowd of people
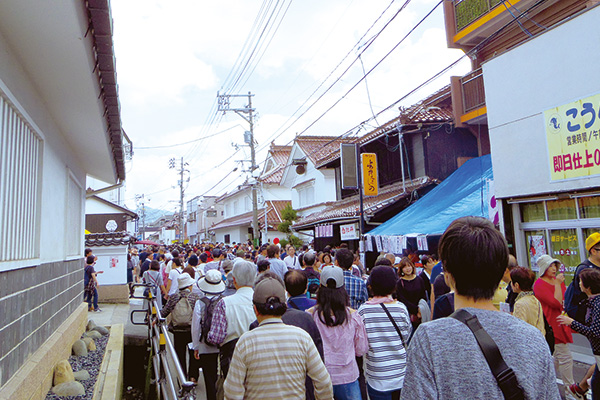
262, 323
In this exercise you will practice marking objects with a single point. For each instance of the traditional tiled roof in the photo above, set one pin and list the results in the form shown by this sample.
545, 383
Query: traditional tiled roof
317, 147
350, 207
108, 239
279, 155
274, 208
435, 109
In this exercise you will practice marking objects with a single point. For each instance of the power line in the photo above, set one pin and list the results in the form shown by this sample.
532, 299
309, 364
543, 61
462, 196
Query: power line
368, 44
184, 143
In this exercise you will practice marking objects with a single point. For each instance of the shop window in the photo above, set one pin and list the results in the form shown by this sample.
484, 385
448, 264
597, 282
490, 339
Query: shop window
589, 207
532, 212
536, 242
565, 247
587, 232
561, 209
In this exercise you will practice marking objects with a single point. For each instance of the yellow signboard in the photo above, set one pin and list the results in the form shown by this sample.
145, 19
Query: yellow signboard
369, 174
573, 134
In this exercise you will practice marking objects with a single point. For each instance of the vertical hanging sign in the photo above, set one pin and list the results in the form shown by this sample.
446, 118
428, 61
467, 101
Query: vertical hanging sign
369, 174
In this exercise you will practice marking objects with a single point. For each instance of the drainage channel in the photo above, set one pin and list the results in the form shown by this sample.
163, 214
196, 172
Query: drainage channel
137, 372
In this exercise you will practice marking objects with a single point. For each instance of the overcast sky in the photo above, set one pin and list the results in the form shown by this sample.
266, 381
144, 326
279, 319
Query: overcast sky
174, 55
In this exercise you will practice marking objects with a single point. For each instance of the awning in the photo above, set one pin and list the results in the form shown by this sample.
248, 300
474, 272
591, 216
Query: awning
464, 193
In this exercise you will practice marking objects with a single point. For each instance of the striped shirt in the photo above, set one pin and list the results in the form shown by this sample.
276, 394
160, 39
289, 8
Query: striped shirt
386, 358
272, 361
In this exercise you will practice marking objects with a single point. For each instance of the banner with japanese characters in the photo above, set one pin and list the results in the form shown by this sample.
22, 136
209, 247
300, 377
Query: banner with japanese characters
349, 232
369, 174
573, 135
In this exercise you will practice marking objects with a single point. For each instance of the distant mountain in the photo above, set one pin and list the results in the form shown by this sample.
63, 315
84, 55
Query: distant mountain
152, 214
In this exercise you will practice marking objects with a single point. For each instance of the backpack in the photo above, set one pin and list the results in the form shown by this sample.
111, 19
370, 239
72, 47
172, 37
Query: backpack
181, 316
206, 320
313, 286
574, 297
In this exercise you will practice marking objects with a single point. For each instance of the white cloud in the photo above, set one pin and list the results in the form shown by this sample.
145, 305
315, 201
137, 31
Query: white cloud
173, 56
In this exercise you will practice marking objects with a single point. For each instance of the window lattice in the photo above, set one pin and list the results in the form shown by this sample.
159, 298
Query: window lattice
20, 159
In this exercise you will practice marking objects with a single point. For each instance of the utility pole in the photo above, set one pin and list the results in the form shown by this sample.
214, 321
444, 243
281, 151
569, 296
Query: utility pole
224, 105
138, 198
181, 192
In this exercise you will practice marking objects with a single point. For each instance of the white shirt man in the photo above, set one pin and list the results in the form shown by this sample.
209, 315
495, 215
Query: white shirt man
292, 260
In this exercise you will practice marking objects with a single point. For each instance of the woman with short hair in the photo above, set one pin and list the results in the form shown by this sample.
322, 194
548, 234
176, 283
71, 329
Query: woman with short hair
342, 331
527, 306
410, 290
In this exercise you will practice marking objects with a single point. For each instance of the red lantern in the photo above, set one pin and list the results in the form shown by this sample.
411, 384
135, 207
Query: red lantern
276, 241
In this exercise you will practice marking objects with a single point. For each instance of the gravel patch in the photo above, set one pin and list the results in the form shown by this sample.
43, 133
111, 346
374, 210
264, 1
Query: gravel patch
91, 363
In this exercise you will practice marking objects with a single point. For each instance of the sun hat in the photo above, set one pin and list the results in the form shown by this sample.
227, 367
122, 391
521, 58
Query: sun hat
212, 282
185, 280
544, 262
592, 240
268, 288
332, 272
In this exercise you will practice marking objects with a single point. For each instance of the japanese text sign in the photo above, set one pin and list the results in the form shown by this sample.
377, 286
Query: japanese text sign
369, 174
573, 135
348, 232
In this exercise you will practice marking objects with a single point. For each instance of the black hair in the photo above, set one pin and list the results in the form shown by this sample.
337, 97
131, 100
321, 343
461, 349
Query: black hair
272, 307
175, 254
87, 251
193, 261
332, 301
154, 265
177, 261
263, 265
385, 280
344, 258
90, 260
296, 282
476, 255
590, 278
383, 261
203, 257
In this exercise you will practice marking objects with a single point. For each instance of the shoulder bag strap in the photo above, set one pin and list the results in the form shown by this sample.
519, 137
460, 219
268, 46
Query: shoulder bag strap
505, 376
293, 304
393, 323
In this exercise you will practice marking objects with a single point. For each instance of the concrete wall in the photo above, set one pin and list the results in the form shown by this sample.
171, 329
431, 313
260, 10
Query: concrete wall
34, 302
553, 69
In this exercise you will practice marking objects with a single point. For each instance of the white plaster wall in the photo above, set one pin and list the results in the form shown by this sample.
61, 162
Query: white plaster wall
324, 180
93, 206
58, 157
553, 69
113, 261
276, 192
236, 234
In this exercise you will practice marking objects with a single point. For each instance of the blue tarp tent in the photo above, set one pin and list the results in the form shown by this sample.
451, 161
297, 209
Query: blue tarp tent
461, 194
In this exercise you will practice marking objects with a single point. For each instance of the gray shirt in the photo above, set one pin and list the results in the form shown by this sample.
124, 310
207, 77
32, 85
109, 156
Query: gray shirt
277, 266
445, 361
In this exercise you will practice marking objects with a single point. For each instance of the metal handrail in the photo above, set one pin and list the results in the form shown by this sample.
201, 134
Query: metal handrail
162, 349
